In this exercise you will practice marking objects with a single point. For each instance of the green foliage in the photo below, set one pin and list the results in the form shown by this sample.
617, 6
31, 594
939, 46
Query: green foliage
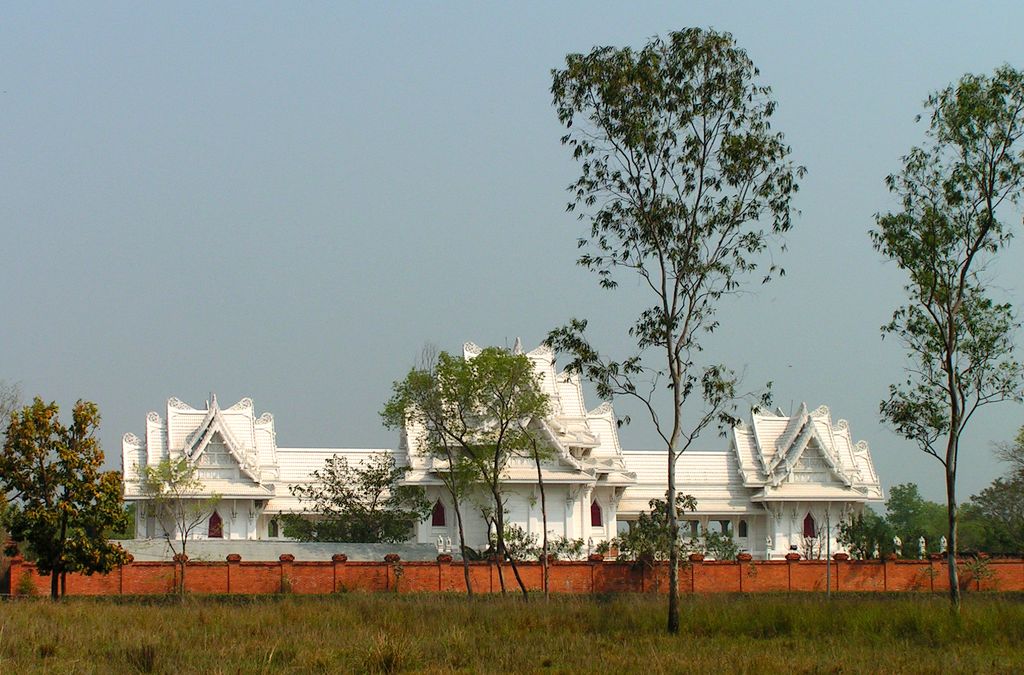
363, 503
563, 548
911, 516
865, 532
993, 520
127, 527
60, 503
650, 537
519, 544
25, 587
719, 545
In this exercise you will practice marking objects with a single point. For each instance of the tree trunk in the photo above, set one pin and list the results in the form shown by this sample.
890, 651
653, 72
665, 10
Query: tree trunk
544, 523
54, 581
951, 544
499, 524
462, 548
182, 563
673, 556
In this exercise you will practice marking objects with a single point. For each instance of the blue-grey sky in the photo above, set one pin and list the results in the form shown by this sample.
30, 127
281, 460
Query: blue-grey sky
287, 200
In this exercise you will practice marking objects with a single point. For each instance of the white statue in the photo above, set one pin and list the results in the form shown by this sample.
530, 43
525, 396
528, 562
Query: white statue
922, 547
897, 545
440, 544
876, 555
944, 544
768, 544
448, 545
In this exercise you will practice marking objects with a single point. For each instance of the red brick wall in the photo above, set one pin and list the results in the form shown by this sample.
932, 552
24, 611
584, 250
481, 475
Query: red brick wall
152, 578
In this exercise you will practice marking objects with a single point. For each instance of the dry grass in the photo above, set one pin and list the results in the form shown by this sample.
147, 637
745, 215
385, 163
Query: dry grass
388, 634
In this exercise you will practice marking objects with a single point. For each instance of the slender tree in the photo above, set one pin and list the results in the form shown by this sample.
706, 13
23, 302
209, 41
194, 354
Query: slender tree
61, 503
179, 502
960, 340
540, 452
685, 187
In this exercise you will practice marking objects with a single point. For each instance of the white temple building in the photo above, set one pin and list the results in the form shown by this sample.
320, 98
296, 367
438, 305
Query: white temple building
774, 489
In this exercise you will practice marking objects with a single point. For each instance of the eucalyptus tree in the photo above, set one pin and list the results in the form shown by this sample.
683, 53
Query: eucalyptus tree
953, 192
686, 189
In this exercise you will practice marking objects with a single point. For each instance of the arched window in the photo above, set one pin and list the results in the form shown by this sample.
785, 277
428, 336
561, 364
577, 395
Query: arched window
809, 531
216, 530
595, 515
437, 518
741, 530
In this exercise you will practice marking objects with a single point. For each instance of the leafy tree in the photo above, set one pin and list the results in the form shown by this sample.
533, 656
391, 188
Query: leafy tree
60, 502
864, 533
719, 545
484, 408
127, 530
684, 184
362, 503
419, 405
180, 505
519, 544
960, 340
651, 537
993, 519
563, 548
911, 516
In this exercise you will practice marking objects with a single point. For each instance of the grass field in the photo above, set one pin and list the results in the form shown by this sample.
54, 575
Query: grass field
384, 633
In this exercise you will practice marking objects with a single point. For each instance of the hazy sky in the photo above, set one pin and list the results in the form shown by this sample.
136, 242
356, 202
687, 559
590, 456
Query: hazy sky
286, 201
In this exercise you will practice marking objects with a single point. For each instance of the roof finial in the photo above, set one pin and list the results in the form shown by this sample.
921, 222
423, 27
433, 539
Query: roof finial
213, 400
517, 346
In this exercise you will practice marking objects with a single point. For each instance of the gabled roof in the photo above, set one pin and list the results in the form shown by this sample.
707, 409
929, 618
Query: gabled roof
214, 424
769, 449
187, 431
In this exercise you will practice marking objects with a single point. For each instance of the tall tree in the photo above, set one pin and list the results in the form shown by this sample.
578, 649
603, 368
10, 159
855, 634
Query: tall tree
952, 191
60, 501
362, 503
686, 188
540, 452
180, 503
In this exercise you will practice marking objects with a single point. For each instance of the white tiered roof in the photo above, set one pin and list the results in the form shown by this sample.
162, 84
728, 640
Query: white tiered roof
776, 451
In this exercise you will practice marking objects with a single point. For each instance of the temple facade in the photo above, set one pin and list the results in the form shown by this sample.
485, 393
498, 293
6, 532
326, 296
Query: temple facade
784, 483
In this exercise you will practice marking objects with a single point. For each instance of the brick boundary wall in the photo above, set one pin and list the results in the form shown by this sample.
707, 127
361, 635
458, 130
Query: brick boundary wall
287, 575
